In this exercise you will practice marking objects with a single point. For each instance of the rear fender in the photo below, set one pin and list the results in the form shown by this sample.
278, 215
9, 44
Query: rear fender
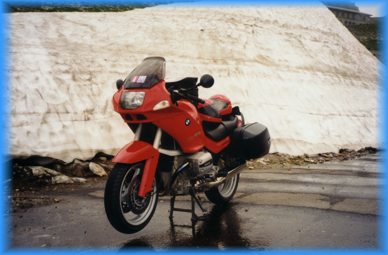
138, 151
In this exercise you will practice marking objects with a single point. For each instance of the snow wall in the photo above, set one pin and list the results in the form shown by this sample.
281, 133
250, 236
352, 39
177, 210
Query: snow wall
297, 70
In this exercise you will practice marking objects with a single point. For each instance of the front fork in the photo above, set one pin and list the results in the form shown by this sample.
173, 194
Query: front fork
139, 151
151, 163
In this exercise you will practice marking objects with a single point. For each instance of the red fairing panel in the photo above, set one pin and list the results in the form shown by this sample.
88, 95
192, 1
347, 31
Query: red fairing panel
153, 95
180, 121
184, 125
216, 147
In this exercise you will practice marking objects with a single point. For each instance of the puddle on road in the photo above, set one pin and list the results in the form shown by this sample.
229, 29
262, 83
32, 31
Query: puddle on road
220, 230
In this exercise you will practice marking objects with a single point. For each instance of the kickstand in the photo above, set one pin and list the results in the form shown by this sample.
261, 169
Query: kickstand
194, 200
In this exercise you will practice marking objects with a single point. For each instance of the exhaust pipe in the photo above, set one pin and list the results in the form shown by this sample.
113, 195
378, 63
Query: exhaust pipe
220, 180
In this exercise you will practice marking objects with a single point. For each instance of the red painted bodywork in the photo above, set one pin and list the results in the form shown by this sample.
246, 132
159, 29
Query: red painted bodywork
171, 120
134, 152
138, 151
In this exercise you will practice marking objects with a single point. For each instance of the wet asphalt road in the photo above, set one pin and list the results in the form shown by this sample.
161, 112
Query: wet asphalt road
334, 204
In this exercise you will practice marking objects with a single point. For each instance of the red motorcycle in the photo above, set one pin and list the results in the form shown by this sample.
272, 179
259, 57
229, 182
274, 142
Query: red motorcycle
182, 145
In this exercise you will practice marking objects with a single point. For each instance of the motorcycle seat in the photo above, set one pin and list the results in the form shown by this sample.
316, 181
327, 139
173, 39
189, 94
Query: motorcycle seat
218, 131
209, 111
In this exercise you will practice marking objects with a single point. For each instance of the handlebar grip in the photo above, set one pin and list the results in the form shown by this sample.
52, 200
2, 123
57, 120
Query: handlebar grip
195, 99
201, 101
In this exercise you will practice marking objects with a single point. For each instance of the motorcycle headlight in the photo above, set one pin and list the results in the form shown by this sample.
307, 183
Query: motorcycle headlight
131, 100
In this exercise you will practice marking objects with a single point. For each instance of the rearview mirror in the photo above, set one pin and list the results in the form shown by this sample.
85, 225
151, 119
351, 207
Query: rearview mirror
206, 81
119, 84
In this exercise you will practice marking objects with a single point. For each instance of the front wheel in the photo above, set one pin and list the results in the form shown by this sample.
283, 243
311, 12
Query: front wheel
223, 193
126, 211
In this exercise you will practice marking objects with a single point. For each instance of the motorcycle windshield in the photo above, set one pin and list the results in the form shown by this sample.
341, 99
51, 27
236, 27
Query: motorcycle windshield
147, 74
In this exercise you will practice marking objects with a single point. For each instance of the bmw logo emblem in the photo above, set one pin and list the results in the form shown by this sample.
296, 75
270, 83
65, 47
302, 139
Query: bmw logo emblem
187, 122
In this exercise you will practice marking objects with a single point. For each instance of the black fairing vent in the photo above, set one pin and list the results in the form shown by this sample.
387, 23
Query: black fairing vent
168, 142
127, 116
148, 133
140, 117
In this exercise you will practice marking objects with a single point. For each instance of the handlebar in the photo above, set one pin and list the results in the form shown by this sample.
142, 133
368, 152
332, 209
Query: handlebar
195, 99
176, 95
201, 101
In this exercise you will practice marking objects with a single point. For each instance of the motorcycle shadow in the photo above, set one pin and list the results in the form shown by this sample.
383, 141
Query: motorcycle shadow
137, 244
220, 229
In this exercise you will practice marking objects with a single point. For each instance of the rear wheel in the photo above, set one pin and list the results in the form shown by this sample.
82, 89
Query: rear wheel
126, 211
223, 193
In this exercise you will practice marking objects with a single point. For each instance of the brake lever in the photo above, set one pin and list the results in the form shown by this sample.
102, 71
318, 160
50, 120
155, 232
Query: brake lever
175, 96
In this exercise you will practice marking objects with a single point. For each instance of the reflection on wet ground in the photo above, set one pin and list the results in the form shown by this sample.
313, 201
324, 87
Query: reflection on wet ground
221, 229
331, 205
137, 243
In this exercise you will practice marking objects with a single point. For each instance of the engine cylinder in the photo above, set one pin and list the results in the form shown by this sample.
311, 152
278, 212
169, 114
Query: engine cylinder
202, 163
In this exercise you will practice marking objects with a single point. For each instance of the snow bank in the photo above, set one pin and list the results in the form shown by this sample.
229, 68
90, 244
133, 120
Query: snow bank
296, 70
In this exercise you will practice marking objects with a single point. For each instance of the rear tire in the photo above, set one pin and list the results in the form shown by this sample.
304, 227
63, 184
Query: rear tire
127, 212
223, 193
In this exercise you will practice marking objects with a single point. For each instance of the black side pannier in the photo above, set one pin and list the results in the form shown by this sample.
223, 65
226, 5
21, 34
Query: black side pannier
252, 140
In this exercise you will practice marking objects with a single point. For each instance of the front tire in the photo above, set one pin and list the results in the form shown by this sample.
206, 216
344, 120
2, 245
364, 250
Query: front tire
223, 193
127, 212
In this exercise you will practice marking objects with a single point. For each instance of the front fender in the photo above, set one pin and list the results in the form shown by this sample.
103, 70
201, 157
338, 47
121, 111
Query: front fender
138, 151
135, 152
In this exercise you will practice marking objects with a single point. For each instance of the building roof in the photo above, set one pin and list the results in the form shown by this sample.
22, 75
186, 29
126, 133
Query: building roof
347, 10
